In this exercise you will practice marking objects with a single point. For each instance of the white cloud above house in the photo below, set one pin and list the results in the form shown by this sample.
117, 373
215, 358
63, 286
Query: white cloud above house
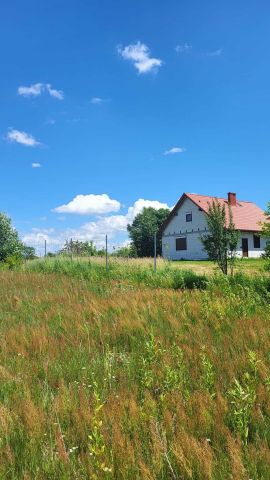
139, 54
38, 88
90, 205
174, 150
18, 136
36, 165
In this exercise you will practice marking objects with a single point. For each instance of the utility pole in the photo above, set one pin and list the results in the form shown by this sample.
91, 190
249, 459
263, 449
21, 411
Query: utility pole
107, 266
45, 248
155, 252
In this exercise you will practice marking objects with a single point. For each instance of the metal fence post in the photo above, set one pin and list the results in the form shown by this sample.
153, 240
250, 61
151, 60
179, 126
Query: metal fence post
107, 266
155, 252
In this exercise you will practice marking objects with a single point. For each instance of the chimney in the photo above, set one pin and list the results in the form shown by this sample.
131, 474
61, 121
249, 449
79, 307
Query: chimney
232, 199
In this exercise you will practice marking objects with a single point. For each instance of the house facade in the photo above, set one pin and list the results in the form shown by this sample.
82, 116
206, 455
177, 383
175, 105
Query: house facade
182, 231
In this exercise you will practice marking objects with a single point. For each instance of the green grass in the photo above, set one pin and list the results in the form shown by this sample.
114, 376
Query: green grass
132, 375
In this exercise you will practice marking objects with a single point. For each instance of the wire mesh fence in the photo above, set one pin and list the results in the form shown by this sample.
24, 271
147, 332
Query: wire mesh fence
78, 250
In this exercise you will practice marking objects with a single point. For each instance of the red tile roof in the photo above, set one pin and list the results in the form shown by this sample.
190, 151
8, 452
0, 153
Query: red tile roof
246, 215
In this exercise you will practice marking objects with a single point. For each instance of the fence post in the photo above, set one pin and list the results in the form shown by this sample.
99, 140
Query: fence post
155, 252
71, 249
107, 266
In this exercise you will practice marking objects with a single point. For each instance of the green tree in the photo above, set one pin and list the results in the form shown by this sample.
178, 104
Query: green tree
127, 251
221, 241
79, 248
28, 253
266, 232
10, 244
143, 229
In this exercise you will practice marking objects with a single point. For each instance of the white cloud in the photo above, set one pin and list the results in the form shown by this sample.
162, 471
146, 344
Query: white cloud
140, 204
39, 88
215, 53
174, 150
54, 93
97, 100
23, 138
185, 48
36, 165
90, 205
32, 91
114, 224
96, 231
37, 237
139, 54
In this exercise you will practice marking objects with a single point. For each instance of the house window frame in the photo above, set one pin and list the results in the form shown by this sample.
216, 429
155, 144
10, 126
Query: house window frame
188, 215
256, 241
181, 249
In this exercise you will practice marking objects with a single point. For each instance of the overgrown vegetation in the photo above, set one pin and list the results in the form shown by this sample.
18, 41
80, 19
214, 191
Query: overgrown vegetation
118, 380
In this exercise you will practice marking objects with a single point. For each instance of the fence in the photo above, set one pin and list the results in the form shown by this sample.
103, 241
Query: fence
71, 249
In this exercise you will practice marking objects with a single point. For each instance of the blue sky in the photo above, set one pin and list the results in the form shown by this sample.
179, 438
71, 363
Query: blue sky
118, 104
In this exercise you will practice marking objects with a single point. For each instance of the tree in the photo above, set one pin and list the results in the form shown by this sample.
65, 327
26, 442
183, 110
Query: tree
28, 253
143, 229
221, 242
266, 232
80, 249
128, 251
10, 244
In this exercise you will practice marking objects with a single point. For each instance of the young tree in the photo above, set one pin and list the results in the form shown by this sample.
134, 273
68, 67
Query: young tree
143, 229
266, 232
222, 240
10, 244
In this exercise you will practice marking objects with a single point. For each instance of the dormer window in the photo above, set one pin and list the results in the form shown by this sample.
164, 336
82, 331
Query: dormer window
189, 217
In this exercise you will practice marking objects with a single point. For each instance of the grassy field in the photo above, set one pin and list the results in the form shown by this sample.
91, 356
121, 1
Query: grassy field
131, 265
134, 376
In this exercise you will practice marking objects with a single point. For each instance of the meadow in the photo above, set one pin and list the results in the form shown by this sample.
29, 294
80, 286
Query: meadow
134, 375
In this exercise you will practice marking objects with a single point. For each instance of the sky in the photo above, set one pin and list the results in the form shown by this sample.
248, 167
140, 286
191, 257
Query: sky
107, 107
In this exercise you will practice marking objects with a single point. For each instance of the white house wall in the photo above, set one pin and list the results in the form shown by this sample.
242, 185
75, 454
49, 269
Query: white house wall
252, 252
178, 227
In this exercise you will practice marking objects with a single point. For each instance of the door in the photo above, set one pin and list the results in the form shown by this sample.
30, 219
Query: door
245, 247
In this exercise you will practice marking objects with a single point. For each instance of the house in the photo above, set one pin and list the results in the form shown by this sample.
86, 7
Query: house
182, 230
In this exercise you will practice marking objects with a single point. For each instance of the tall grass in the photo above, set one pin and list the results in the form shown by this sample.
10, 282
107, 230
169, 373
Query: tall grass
132, 382
139, 273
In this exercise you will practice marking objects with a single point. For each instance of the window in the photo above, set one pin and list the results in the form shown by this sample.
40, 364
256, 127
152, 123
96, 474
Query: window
257, 241
188, 217
181, 243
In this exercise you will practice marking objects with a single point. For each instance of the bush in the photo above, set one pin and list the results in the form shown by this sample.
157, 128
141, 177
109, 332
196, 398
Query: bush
12, 262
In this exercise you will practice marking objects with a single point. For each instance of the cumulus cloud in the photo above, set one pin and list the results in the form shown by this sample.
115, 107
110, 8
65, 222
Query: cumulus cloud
140, 204
37, 236
139, 54
36, 165
96, 230
174, 150
185, 48
17, 136
38, 88
90, 205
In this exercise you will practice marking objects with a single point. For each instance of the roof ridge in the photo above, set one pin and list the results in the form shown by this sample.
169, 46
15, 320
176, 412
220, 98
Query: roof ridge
222, 198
